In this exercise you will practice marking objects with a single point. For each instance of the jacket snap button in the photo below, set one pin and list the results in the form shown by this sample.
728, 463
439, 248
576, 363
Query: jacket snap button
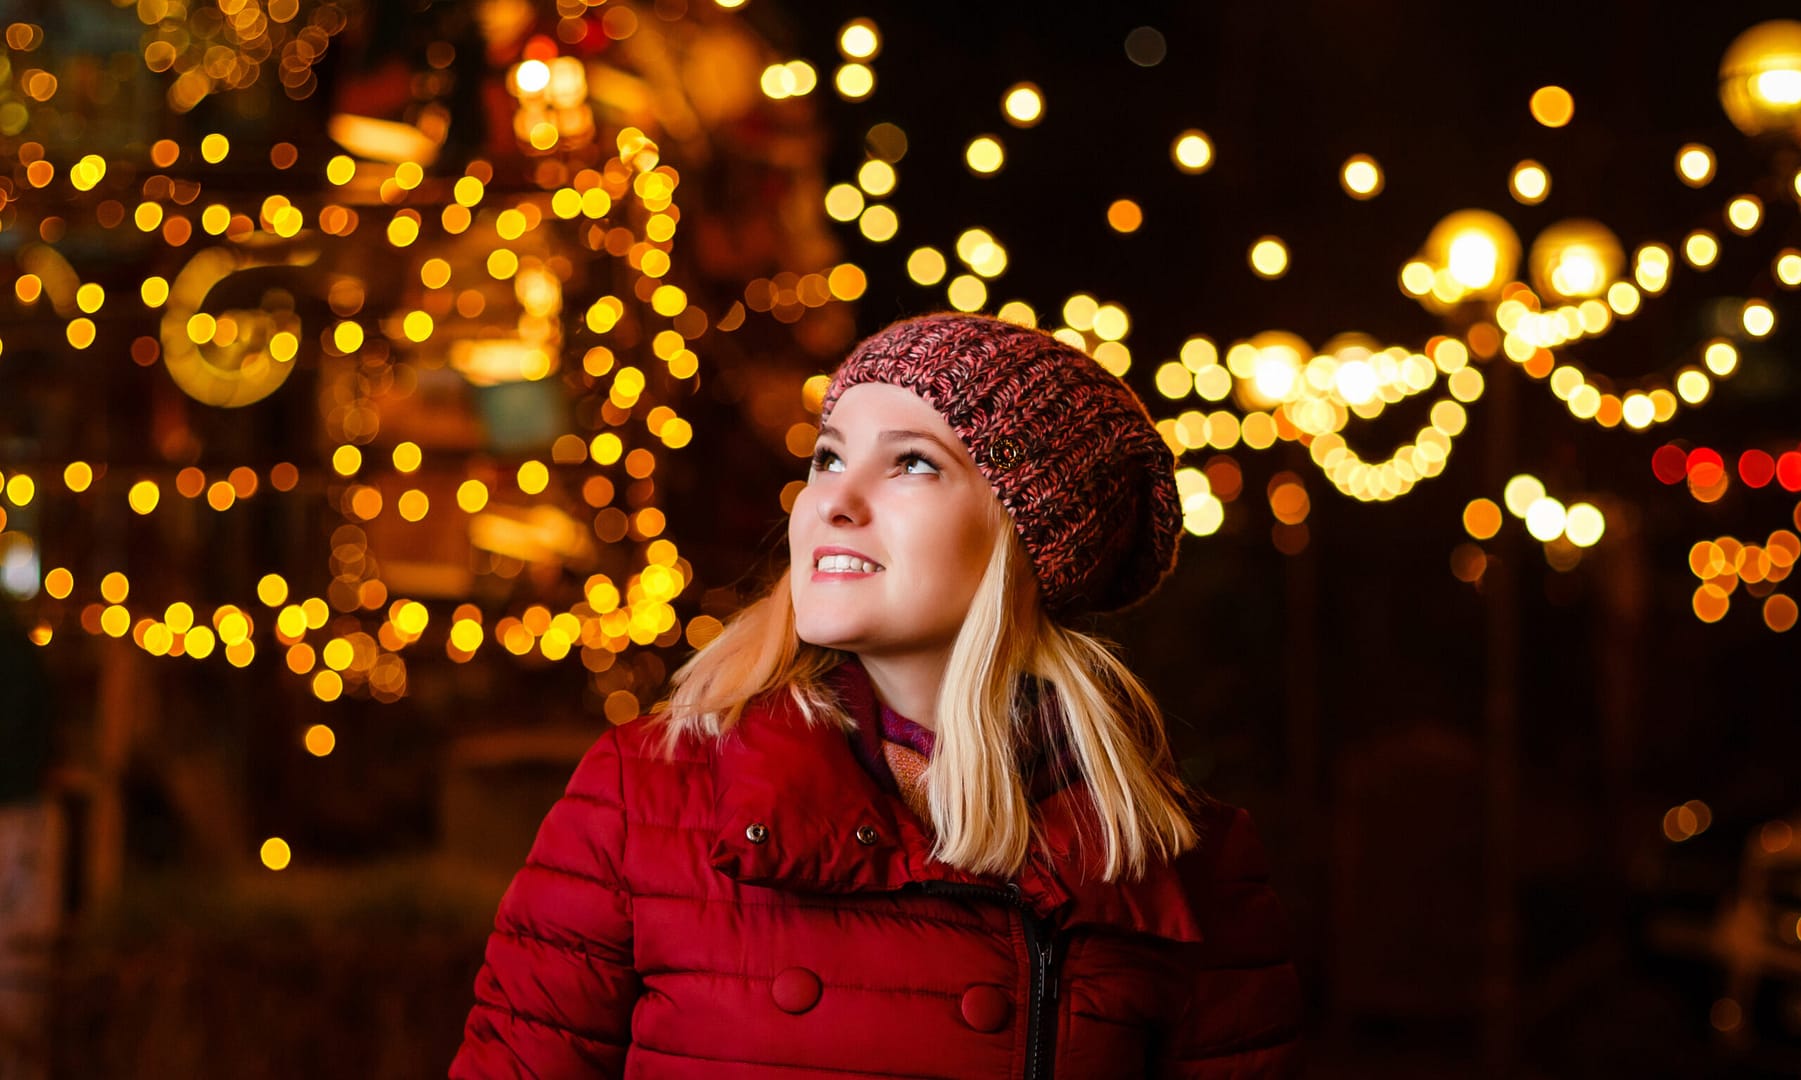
866, 835
757, 833
795, 990
986, 1008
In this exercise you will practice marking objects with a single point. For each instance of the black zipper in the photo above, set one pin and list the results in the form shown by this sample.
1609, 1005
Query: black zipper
1041, 943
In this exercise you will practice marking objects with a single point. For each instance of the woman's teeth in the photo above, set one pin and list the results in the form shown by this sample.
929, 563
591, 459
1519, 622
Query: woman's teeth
845, 564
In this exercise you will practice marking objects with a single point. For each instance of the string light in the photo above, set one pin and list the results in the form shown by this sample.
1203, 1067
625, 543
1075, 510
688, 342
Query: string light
1552, 106
1023, 105
1361, 177
1695, 164
1282, 392
984, 155
369, 661
1192, 151
1269, 257
1530, 183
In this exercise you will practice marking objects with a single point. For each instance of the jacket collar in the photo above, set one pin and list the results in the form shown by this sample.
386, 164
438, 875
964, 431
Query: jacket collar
804, 787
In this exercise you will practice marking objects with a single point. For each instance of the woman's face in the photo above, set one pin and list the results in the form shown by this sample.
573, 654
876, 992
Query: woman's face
892, 485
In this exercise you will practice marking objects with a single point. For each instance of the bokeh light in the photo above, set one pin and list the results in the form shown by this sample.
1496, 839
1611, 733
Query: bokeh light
1695, 164
1361, 177
1552, 106
984, 155
1125, 216
1269, 257
1023, 104
275, 853
1192, 151
1529, 183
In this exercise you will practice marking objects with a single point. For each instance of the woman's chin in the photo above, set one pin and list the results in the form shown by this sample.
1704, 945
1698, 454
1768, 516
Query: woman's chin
829, 633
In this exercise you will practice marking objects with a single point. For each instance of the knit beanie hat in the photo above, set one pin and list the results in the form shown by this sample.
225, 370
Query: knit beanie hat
1069, 449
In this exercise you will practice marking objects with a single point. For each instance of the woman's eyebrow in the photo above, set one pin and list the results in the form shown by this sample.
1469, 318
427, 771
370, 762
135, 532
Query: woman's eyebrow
827, 431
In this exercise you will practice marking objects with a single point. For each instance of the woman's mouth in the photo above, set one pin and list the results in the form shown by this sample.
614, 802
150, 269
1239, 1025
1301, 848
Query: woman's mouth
843, 566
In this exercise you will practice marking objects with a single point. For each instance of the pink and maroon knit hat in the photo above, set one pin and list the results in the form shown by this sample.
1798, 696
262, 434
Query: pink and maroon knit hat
1069, 449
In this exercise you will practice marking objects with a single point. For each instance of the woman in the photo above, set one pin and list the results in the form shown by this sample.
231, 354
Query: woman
898, 818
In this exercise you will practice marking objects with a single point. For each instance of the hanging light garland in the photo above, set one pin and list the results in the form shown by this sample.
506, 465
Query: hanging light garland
1578, 287
471, 245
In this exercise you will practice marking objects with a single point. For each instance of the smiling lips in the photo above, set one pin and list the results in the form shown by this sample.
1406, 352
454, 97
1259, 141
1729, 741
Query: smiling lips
842, 563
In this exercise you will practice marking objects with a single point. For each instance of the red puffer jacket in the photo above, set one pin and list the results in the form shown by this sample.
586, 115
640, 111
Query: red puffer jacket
761, 908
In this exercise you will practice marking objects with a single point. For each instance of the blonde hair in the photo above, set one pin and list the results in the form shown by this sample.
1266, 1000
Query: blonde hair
981, 813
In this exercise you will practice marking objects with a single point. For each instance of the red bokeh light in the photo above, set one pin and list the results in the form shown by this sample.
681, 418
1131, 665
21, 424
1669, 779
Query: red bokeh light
1670, 463
1705, 467
1788, 471
1756, 468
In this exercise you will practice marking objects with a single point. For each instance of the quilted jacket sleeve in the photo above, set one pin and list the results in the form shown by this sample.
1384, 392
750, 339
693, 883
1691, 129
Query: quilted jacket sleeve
555, 993
1242, 1015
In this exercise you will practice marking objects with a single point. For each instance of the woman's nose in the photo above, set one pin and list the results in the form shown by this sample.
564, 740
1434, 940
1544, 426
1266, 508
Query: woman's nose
843, 502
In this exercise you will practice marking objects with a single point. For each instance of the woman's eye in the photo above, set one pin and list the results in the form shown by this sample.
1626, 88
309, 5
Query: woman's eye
909, 459
820, 457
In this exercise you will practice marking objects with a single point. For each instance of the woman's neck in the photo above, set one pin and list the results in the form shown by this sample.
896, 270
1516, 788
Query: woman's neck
908, 685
